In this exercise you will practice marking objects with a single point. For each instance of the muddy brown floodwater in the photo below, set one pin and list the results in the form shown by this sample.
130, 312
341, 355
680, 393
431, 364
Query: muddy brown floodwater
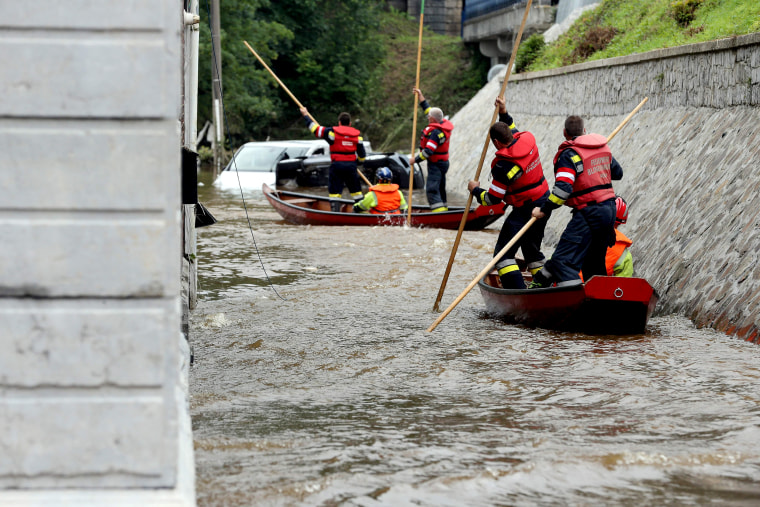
315, 383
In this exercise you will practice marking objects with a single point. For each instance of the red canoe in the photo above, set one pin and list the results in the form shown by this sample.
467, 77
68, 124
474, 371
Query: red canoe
306, 209
603, 305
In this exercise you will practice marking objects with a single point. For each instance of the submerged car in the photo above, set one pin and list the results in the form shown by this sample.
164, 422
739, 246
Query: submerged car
303, 164
313, 170
255, 163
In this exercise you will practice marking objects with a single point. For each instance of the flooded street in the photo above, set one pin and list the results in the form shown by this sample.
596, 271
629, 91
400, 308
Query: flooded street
315, 382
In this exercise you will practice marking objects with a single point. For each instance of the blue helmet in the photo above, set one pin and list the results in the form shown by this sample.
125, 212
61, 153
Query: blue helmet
384, 175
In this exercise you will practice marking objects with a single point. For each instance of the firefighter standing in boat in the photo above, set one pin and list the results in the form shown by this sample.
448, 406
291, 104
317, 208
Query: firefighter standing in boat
383, 198
434, 147
518, 180
583, 172
346, 150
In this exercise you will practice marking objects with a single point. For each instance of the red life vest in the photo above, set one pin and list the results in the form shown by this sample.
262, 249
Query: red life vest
441, 153
615, 251
344, 147
594, 184
388, 199
532, 184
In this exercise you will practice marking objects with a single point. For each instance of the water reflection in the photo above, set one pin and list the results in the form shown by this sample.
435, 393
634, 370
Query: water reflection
337, 395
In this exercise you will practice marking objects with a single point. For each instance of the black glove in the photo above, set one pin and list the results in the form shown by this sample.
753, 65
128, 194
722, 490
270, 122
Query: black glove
357, 209
612, 239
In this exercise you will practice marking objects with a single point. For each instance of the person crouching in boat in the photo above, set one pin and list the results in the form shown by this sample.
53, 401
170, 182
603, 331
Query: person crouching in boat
346, 149
619, 261
518, 180
383, 198
583, 172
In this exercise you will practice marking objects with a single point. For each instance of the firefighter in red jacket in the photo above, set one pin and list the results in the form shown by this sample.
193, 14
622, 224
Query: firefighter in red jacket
583, 172
434, 147
384, 198
518, 180
346, 150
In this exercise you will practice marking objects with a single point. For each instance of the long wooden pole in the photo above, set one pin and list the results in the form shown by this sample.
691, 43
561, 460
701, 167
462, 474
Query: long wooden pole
517, 236
414, 117
483, 273
294, 98
482, 158
622, 124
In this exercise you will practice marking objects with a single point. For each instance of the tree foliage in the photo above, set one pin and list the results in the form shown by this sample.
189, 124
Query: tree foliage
334, 51
324, 52
250, 102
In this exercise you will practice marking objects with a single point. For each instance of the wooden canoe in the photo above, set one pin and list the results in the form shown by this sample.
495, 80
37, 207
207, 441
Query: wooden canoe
307, 209
603, 305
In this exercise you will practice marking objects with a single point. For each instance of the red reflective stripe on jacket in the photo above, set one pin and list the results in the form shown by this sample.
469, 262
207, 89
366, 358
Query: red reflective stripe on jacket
388, 199
615, 251
344, 147
524, 153
441, 153
597, 158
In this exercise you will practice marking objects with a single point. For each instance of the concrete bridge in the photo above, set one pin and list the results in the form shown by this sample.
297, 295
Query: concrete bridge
492, 24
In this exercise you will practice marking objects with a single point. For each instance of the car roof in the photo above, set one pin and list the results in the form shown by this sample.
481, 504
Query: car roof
287, 144
313, 144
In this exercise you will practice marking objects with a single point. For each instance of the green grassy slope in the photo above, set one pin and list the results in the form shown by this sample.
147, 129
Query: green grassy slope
623, 27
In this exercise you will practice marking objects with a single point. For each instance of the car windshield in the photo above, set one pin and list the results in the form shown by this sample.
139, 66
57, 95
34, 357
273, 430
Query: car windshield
297, 152
263, 158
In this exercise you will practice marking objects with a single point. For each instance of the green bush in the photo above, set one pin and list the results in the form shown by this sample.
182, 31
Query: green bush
528, 51
206, 154
595, 39
683, 11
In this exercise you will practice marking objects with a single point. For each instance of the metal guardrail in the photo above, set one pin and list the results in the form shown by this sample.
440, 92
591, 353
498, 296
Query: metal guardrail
476, 8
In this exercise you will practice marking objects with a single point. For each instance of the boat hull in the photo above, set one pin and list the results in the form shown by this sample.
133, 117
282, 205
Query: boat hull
307, 209
603, 305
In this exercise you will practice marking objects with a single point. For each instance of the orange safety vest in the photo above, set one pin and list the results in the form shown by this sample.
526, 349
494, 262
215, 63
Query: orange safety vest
346, 141
594, 184
614, 252
388, 199
532, 184
441, 153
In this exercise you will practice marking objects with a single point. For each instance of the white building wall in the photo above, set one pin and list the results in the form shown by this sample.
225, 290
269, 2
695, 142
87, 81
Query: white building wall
92, 393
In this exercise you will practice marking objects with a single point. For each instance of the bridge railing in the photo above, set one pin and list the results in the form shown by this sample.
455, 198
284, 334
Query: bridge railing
477, 8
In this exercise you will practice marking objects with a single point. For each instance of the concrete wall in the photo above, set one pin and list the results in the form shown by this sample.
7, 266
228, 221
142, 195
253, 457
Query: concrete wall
93, 407
689, 158
441, 16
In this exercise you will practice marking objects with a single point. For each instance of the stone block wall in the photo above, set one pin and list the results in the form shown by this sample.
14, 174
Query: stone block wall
689, 157
441, 16
92, 361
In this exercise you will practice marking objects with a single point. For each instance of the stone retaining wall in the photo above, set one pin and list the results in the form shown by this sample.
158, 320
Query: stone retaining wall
687, 156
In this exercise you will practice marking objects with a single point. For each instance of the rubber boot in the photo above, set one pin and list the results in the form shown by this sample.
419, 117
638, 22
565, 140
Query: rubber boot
512, 280
540, 280
335, 206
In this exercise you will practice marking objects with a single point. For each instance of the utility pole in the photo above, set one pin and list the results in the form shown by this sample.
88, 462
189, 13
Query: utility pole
216, 79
